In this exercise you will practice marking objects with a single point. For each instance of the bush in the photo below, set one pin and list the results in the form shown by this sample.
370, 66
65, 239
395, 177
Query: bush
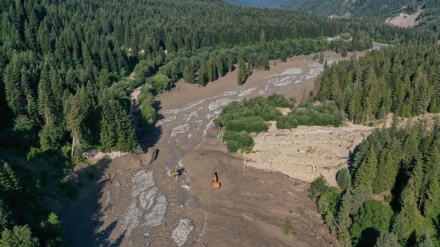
286, 122
278, 100
288, 228
160, 83
328, 202
238, 141
343, 178
34, 153
247, 124
311, 115
345, 36
318, 187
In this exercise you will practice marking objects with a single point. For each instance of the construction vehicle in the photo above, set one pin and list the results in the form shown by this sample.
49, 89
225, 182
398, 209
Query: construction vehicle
176, 171
215, 183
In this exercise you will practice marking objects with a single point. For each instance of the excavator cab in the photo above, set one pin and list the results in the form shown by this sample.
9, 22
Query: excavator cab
215, 183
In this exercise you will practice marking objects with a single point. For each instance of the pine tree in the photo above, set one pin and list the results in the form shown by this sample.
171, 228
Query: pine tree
263, 41
386, 173
372, 215
108, 136
5, 216
8, 180
344, 219
202, 77
432, 202
19, 236
360, 195
53, 229
265, 61
387, 239
343, 179
188, 74
367, 171
399, 228
408, 202
242, 72
77, 112
425, 241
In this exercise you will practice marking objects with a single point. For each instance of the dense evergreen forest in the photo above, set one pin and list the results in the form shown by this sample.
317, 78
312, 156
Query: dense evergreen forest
404, 80
390, 195
67, 69
65, 65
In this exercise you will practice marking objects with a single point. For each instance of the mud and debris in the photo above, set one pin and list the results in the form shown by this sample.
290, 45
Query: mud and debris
146, 207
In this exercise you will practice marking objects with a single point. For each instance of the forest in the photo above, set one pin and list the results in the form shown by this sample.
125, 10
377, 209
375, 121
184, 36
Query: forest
404, 80
65, 64
390, 194
67, 69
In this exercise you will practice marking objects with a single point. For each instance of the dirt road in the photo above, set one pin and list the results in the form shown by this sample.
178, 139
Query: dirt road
131, 203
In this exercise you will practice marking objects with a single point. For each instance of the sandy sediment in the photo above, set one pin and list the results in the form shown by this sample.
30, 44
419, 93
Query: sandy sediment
305, 153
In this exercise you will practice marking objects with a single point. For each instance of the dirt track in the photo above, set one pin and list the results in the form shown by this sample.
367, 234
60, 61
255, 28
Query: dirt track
135, 204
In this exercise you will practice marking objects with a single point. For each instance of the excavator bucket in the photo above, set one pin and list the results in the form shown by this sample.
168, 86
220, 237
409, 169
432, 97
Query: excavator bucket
215, 183
176, 171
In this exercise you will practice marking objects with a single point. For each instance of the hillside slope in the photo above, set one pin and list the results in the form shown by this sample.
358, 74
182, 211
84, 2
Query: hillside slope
429, 17
367, 8
258, 3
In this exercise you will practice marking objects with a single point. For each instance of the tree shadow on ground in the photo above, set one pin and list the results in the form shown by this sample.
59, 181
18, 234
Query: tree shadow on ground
102, 238
368, 238
151, 133
82, 217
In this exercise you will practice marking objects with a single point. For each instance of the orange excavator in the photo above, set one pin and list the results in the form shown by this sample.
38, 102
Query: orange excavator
215, 182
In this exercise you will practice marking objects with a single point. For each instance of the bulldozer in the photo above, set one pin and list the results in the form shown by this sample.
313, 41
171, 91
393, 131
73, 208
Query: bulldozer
215, 183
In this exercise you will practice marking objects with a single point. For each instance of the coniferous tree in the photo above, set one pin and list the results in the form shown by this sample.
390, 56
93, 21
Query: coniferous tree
386, 173
242, 73
367, 172
19, 236
387, 239
425, 241
77, 112
343, 179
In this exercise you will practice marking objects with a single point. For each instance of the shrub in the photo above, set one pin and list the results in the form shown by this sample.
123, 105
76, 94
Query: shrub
286, 122
318, 186
311, 115
160, 83
247, 124
34, 153
278, 100
343, 178
288, 228
238, 141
